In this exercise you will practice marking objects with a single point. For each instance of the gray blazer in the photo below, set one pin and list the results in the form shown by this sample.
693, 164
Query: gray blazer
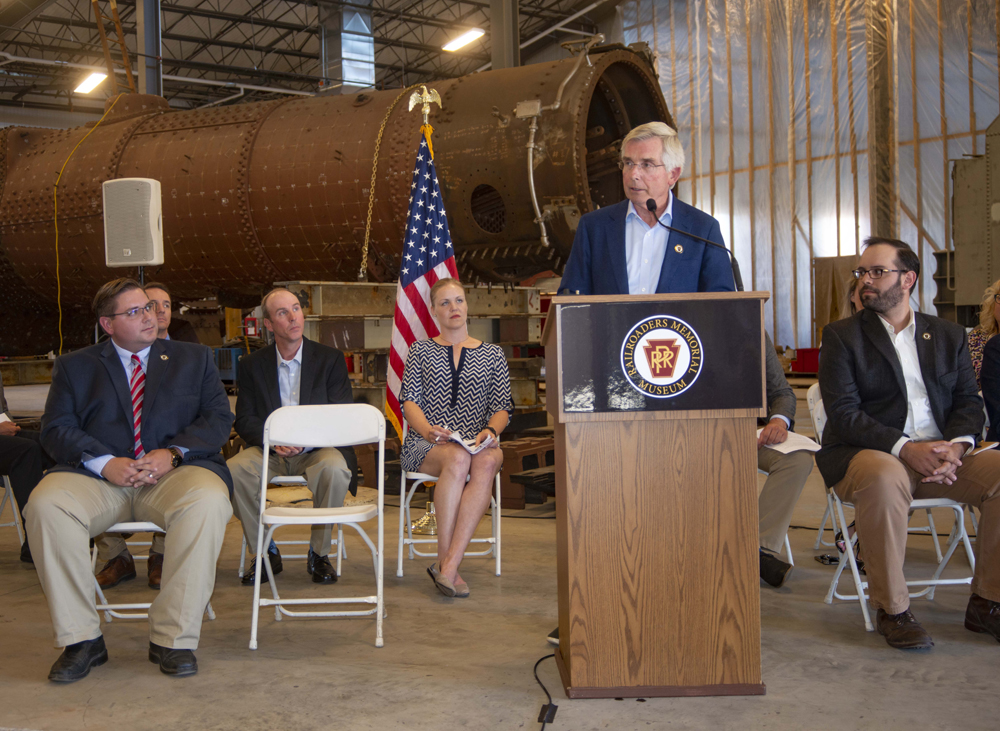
780, 396
864, 394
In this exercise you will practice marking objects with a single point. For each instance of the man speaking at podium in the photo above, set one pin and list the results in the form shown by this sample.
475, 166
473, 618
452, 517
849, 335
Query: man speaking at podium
624, 249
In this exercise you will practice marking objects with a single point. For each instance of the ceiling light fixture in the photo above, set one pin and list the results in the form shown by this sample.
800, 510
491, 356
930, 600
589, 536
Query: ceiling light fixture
90, 83
464, 39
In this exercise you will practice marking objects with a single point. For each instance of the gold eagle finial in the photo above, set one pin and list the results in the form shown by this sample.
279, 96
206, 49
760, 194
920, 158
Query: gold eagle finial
425, 96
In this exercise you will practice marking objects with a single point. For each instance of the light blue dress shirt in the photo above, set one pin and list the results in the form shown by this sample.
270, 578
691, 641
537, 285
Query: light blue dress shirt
290, 378
645, 249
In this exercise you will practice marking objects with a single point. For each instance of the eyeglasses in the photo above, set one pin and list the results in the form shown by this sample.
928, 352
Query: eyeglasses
875, 272
646, 167
134, 312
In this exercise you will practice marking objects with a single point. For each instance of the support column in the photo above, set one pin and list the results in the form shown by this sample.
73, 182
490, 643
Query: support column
880, 42
505, 38
347, 47
148, 46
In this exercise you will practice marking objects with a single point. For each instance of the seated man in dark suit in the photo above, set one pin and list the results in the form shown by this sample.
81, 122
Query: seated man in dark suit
22, 459
111, 549
136, 426
621, 249
291, 371
903, 414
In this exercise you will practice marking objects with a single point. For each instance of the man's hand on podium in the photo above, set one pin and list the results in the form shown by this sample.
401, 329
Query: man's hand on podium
774, 433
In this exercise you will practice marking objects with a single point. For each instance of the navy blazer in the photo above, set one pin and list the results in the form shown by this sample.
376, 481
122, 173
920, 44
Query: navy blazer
597, 263
324, 380
864, 393
88, 412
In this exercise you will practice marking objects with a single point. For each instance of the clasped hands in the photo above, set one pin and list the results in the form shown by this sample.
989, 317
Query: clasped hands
147, 470
937, 460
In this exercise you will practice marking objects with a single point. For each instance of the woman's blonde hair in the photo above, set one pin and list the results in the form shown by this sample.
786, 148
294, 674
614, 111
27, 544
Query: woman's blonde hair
852, 285
987, 322
441, 284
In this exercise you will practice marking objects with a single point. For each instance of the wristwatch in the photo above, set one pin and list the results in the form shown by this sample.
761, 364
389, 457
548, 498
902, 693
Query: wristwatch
177, 458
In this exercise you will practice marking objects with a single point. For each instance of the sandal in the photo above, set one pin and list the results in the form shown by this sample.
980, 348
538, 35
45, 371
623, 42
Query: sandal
842, 545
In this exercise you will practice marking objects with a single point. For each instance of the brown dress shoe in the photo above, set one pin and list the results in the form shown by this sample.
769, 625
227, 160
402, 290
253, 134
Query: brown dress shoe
983, 615
902, 631
154, 569
120, 568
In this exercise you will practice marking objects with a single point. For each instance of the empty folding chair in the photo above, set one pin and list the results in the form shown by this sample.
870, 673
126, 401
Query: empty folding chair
334, 425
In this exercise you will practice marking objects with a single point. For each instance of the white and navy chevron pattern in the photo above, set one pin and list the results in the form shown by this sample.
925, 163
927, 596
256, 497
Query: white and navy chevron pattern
461, 400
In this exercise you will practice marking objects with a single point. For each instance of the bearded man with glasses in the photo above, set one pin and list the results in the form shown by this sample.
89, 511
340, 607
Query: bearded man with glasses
903, 415
623, 249
136, 426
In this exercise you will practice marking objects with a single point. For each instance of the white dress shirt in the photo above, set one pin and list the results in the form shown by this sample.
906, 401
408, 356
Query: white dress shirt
920, 425
645, 249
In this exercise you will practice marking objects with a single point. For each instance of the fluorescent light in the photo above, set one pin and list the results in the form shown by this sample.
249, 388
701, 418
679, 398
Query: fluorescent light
90, 83
464, 39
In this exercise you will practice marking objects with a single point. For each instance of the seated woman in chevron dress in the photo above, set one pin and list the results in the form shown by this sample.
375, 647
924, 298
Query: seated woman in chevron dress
455, 383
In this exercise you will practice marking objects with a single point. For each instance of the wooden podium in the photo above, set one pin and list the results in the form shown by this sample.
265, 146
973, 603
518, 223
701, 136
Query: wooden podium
655, 400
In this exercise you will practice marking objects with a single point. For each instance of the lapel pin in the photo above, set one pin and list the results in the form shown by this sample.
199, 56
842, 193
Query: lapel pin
164, 357
679, 249
927, 336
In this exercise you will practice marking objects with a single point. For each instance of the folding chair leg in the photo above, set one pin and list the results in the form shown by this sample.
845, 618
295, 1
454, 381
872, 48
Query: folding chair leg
788, 551
934, 535
827, 516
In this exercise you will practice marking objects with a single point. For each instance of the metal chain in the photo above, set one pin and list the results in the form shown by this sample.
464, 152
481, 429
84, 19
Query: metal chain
371, 192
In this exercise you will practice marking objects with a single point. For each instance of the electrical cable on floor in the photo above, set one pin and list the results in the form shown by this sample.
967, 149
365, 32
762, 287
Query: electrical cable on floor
548, 713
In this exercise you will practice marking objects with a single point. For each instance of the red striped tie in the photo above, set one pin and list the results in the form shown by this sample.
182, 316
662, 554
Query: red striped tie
137, 386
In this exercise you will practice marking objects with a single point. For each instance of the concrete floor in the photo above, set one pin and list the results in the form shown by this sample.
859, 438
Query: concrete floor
455, 664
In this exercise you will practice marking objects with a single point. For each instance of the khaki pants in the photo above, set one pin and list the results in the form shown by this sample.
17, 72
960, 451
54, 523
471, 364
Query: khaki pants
881, 488
325, 471
786, 476
67, 509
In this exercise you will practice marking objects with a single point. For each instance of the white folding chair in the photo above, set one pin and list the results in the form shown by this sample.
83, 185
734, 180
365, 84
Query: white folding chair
406, 525
8, 497
297, 481
119, 610
333, 425
930, 585
817, 414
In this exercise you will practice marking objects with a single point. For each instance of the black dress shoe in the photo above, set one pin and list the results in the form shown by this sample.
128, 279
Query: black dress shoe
173, 662
902, 631
320, 568
983, 615
77, 660
773, 570
26, 552
274, 557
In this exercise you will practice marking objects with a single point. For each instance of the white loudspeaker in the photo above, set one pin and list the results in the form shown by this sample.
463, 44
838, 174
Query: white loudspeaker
133, 222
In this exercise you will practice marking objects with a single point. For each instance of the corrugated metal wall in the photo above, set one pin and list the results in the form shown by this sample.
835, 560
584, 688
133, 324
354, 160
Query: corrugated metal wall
771, 97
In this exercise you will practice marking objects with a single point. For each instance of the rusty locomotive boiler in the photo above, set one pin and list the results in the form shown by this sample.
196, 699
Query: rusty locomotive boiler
279, 190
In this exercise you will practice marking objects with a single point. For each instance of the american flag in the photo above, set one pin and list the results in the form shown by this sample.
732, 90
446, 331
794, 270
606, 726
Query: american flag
427, 257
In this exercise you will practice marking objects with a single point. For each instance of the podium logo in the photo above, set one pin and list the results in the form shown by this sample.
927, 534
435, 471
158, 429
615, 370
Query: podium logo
661, 356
